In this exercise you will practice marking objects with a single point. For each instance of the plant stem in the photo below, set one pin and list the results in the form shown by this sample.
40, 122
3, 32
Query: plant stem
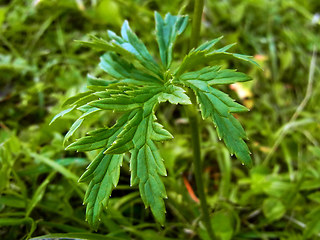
194, 123
196, 23
195, 136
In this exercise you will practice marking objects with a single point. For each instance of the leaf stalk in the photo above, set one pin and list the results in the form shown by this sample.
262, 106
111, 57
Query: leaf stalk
194, 123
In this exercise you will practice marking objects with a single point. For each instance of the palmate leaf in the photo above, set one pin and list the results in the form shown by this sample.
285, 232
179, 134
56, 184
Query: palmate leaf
137, 86
146, 164
136, 131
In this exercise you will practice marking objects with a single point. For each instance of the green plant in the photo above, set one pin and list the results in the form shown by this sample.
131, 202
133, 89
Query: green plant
139, 85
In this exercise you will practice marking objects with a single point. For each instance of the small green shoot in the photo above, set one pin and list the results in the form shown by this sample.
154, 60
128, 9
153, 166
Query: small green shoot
140, 84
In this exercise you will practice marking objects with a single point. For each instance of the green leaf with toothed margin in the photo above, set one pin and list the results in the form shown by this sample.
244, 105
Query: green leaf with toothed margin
124, 71
219, 107
206, 53
167, 30
215, 76
131, 43
136, 84
103, 174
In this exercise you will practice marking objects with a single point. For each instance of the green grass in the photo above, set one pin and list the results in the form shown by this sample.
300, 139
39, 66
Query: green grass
41, 65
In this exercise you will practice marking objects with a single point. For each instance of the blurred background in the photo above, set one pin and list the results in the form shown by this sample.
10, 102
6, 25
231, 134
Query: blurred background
41, 66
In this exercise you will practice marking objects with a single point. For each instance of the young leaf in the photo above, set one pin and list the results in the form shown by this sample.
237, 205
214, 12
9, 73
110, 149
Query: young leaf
167, 30
131, 43
175, 95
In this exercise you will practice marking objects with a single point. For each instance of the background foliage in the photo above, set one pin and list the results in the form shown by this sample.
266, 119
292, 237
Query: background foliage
41, 66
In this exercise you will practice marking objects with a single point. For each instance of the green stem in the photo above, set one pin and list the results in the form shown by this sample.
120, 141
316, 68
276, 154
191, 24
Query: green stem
193, 116
195, 136
196, 23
